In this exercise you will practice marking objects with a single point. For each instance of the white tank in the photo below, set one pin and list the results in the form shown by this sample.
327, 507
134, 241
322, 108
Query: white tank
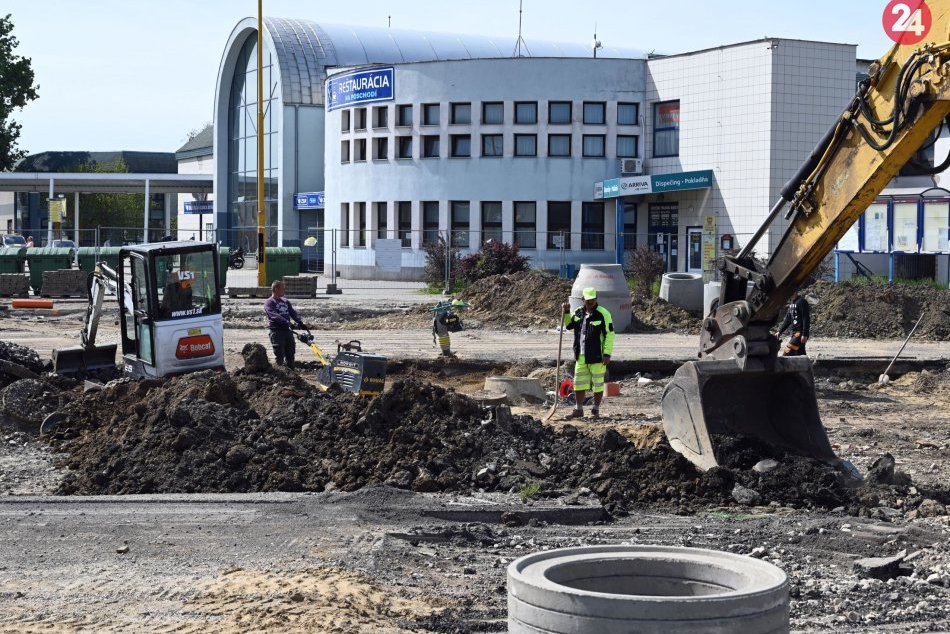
612, 291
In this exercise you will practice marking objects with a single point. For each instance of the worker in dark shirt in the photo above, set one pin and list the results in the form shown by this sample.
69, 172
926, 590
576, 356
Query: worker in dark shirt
799, 318
280, 314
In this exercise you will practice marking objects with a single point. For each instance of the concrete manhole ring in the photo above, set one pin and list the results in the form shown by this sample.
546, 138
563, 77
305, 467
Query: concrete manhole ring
645, 589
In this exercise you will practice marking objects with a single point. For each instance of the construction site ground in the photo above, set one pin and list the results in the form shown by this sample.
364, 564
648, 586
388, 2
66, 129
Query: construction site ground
378, 556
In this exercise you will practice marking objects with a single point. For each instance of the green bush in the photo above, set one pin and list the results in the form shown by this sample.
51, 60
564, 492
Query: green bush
435, 264
646, 267
495, 258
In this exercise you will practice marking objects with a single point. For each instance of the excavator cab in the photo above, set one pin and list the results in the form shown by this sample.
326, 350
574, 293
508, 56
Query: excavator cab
169, 301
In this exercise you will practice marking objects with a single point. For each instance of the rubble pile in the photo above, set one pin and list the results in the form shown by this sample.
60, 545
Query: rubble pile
876, 310
18, 362
529, 298
269, 430
657, 315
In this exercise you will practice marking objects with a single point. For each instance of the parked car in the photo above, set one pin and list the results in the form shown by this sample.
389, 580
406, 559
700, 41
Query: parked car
12, 240
65, 244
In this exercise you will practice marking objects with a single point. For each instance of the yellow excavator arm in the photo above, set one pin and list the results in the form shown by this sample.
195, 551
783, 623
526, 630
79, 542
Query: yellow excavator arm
739, 387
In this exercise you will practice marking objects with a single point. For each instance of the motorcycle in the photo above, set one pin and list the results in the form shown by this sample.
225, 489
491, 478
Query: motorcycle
236, 258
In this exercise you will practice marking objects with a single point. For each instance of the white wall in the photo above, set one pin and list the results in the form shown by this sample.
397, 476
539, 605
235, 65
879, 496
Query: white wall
188, 223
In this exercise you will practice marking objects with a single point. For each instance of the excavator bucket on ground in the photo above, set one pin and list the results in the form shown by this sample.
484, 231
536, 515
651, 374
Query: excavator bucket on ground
79, 359
712, 401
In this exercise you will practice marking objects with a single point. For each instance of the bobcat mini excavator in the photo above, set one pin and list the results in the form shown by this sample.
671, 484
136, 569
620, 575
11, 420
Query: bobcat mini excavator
739, 387
169, 310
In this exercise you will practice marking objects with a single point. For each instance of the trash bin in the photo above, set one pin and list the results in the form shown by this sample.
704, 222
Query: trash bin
47, 259
12, 259
282, 262
224, 253
88, 257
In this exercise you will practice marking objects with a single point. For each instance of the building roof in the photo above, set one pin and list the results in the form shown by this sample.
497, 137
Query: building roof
124, 183
199, 145
305, 49
136, 162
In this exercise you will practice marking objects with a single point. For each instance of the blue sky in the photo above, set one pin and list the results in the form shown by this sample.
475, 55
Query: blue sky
140, 74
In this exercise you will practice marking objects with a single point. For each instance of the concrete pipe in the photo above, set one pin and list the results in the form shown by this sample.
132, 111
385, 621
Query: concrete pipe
645, 589
683, 289
612, 291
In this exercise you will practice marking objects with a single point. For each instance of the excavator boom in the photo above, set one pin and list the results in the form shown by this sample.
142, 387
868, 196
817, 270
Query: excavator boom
739, 387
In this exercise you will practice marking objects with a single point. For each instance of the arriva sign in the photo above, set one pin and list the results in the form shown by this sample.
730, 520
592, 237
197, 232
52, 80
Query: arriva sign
360, 86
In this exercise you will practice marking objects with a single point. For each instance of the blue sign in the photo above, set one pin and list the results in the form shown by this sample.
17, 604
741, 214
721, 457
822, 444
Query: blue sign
681, 181
310, 200
360, 86
611, 188
199, 207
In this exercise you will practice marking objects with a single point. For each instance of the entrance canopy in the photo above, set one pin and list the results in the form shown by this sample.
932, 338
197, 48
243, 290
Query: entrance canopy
652, 184
123, 183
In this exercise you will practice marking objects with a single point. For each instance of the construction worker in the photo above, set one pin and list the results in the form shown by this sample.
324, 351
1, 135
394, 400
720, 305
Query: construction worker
279, 314
593, 344
799, 318
445, 321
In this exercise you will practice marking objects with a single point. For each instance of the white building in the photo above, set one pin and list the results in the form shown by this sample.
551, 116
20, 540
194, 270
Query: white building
472, 142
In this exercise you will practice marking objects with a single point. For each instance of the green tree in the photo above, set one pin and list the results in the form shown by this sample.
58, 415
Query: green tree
16, 90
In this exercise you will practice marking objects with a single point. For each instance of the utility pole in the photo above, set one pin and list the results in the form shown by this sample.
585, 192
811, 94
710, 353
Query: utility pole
261, 215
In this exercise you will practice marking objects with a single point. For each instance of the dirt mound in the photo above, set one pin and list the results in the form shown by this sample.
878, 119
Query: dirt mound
271, 431
879, 310
519, 300
14, 359
657, 315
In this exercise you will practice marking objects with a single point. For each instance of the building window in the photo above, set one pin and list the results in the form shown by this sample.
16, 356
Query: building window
381, 116
430, 114
381, 148
526, 112
559, 225
492, 145
360, 116
405, 147
559, 112
382, 220
594, 145
404, 115
461, 145
592, 226
628, 114
345, 121
526, 217
344, 151
491, 221
430, 222
430, 146
559, 145
460, 223
344, 224
359, 150
461, 113
595, 112
666, 129
493, 112
405, 222
526, 145
627, 145
360, 209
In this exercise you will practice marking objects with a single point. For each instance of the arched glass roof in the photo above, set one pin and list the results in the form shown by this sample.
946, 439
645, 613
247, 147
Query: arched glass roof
305, 49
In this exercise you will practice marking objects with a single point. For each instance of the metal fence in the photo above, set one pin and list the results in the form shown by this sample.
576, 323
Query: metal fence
391, 258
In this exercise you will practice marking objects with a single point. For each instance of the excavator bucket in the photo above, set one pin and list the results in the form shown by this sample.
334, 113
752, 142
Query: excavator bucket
78, 359
712, 401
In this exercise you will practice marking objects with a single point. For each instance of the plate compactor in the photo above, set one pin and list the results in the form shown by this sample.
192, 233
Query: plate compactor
351, 370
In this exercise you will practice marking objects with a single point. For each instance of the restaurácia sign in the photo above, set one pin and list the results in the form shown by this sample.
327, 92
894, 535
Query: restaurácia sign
361, 86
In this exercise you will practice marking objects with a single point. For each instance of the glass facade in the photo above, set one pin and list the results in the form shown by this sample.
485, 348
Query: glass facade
242, 150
